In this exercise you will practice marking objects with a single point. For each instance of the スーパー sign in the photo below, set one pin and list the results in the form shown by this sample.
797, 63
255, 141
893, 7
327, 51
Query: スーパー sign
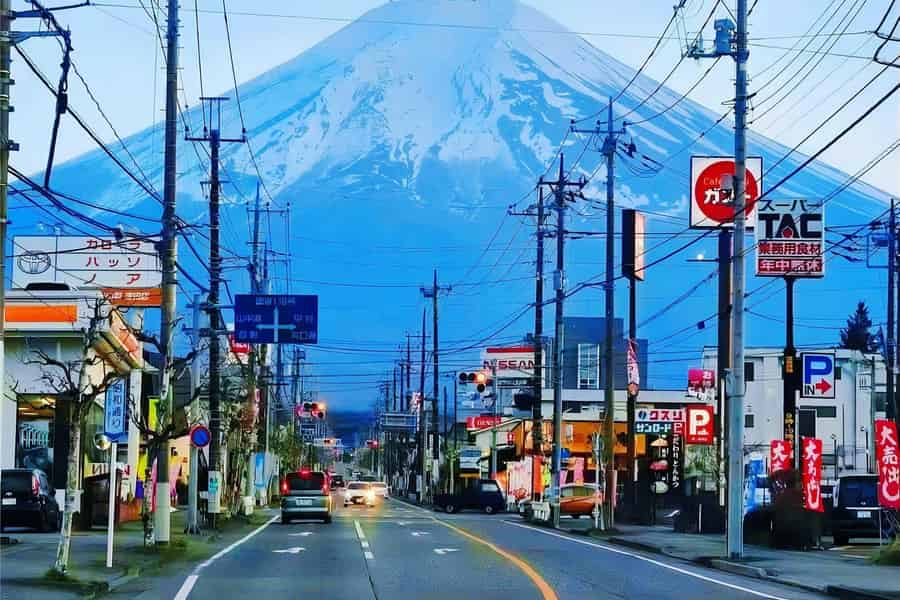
712, 201
791, 238
88, 262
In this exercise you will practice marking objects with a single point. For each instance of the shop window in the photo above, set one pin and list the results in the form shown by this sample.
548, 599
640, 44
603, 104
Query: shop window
35, 432
588, 366
749, 421
826, 412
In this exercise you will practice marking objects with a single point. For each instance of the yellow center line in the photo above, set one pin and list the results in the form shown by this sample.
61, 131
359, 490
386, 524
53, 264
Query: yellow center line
546, 591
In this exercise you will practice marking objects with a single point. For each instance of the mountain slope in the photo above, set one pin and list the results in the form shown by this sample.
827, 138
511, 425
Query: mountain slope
398, 149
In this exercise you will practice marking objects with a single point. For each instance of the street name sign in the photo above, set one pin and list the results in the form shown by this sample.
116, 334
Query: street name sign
276, 319
115, 420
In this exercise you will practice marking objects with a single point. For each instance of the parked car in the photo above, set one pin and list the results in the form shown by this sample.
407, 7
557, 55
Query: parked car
856, 510
577, 500
337, 481
305, 494
28, 500
359, 492
483, 494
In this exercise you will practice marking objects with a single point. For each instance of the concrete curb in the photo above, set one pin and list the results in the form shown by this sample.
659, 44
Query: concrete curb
745, 570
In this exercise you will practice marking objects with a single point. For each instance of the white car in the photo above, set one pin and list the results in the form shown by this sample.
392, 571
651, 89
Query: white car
359, 492
380, 488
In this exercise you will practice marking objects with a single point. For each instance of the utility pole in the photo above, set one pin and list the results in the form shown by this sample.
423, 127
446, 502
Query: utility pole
790, 377
893, 409
423, 435
731, 40
193, 525
609, 150
162, 517
537, 420
559, 189
433, 293
723, 357
214, 138
6, 146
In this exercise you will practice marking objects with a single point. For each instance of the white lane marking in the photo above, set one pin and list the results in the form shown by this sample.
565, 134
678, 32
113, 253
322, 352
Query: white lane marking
359, 531
369, 555
362, 541
443, 551
186, 587
649, 560
301, 534
418, 533
294, 550
365, 544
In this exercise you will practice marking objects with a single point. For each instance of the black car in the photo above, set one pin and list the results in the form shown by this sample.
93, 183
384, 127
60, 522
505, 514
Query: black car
337, 481
28, 500
483, 494
856, 512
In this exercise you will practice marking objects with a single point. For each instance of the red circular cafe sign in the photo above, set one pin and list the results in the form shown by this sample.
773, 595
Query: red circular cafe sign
709, 197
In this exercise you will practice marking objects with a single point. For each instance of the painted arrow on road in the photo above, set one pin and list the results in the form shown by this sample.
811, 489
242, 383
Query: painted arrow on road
443, 551
294, 550
418, 533
302, 533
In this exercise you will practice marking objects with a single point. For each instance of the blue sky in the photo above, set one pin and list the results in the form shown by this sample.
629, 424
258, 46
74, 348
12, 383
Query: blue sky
117, 52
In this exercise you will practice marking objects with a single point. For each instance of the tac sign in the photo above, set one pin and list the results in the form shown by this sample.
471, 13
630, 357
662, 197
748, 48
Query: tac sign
818, 375
712, 202
887, 453
200, 436
699, 425
790, 239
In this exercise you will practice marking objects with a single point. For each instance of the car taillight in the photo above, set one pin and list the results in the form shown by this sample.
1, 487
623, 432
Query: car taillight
284, 487
35, 486
324, 489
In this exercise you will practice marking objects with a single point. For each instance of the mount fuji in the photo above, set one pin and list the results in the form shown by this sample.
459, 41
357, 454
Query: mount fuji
398, 149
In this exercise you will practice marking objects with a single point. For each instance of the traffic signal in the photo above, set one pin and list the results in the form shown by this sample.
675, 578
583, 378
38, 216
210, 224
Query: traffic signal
479, 378
314, 409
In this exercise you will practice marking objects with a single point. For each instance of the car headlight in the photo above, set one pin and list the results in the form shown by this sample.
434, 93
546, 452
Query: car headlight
370, 494
347, 494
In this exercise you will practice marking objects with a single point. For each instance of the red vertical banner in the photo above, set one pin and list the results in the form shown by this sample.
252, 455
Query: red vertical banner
781, 455
812, 474
887, 453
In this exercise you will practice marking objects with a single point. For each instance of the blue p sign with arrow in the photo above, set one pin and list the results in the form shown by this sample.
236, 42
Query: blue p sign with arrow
818, 375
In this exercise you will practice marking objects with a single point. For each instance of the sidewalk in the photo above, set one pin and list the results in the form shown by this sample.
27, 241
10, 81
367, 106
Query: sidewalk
23, 566
835, 572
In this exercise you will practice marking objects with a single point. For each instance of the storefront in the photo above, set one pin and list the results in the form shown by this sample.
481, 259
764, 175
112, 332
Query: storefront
52, 324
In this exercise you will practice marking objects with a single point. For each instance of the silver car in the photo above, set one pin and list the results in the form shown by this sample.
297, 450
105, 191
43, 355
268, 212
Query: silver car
305, 495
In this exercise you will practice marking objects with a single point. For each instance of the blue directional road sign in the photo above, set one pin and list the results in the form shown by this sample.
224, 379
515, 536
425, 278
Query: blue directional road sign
818, 375
276, 319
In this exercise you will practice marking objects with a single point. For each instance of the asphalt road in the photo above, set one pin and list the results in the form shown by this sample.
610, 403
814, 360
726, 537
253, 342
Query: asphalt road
400, 551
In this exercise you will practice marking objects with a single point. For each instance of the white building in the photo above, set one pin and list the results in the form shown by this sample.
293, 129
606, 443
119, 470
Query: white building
844, 423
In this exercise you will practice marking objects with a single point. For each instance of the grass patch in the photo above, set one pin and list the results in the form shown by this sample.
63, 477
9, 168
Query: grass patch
889, 555
54, 579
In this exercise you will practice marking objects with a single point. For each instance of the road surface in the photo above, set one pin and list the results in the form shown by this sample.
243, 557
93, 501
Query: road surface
396, 551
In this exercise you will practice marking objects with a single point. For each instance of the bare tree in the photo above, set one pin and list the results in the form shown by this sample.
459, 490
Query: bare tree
79, 382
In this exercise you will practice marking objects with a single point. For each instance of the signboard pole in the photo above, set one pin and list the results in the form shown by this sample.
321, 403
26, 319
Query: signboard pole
790, 376
111, 517
723, 357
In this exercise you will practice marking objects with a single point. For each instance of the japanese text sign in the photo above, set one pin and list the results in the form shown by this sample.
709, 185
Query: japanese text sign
482, 421
86, 262
712, 181
115, 421
700, 425
276, 319
656, 415
781, 455
812, 474
887, 453
791, 239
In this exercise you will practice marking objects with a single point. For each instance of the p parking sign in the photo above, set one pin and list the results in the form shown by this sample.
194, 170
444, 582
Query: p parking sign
818, 374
